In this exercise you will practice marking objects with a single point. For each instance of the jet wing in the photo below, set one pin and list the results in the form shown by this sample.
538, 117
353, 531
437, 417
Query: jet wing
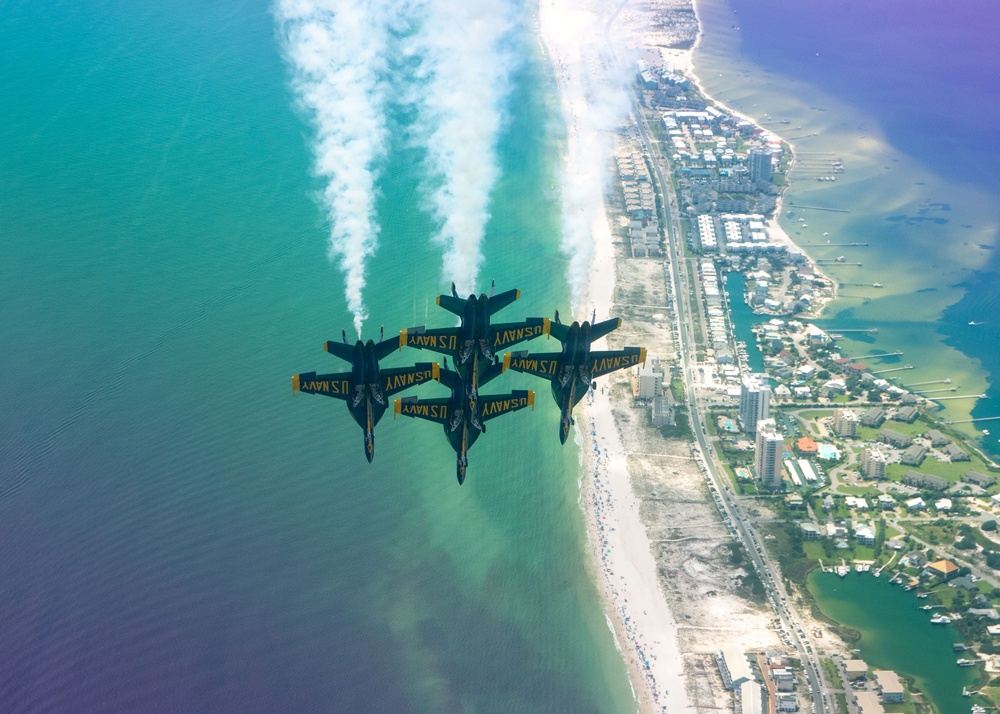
605, 362
510, 333
600, 329
497, 404
330, 385
443, 340
538, 364
435, 410
396, 380
499, 302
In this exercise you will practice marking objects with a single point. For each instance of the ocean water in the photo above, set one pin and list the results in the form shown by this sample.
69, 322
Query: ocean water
907, 95
181, 534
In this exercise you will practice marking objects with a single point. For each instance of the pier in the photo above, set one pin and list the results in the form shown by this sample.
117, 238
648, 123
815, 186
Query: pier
879, 355
933, 381
896, 369
834, 261
869, 330
821, 208
969, 421
962, 396
936, 391
861, 285
831, 245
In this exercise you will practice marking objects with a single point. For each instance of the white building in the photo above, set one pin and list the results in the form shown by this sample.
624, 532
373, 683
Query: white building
755, 401
767, 460
873, 464
845, 422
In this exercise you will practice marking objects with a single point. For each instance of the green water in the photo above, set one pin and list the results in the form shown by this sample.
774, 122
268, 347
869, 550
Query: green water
896, 634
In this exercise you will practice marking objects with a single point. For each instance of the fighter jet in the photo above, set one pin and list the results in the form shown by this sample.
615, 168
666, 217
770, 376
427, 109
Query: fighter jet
474, 344
366, 387
463, 417
573, 370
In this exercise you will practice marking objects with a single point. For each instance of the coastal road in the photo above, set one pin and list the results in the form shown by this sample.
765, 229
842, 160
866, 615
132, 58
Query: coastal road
678, 278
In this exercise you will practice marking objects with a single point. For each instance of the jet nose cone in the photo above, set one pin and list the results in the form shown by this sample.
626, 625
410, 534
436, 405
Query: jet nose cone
461, 475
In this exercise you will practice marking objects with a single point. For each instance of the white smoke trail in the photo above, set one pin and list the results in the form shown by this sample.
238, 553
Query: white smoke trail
337, 50
594, 102
462, 62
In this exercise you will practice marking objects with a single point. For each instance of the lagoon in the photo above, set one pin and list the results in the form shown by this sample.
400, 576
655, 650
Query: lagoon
896, 634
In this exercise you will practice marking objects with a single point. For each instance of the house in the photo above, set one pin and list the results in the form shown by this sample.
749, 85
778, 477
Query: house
894, 438
915, 504
916, 558
922, 480
955, 452
914, 455
944, 569
936, 438
787, 702
865, 535
886, 502
982, 480
906, 414
872, 417
888, 684
895, 544
807, 445
810, 531
943, 505
795, 500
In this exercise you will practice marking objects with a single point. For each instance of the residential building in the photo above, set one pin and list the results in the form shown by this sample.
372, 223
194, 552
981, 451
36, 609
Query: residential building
982, 480
922, 480
943, 505
868, 703
760, 165
872, 417
936, 438
855, 669
886, 502
906, 414
942, 568
888, 684
650, 380
894, 438
810, 531
787, 702
913, 455
845, 423
755, 401
767, 460
873, 464
865, 535
955, 453
915, 504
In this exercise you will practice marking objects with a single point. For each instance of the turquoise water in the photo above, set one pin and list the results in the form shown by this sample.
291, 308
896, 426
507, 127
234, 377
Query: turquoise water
180, 533
896, 634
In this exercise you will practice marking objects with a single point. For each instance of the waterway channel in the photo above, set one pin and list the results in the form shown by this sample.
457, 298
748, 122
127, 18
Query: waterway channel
743, 319
896, 634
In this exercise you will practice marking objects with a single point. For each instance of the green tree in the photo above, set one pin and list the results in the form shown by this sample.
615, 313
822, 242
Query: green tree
990, 526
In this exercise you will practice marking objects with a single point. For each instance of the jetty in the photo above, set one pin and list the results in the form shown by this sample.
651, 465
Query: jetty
820, 208
969, 421
963, 396
869, 330
895, 369
947, 380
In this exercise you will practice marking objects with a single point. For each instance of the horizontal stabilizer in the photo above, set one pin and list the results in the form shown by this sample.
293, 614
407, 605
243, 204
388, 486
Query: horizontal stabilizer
600, 329
499, 302
339, 349
452, 304
386, 347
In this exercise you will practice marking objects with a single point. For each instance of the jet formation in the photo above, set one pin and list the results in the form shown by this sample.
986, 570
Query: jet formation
473, 347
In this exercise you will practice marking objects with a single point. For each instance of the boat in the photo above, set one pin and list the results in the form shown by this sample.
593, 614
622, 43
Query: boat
927, 607
940, 620
974, 323
966, 662
877, 285
986, 432
922, 595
